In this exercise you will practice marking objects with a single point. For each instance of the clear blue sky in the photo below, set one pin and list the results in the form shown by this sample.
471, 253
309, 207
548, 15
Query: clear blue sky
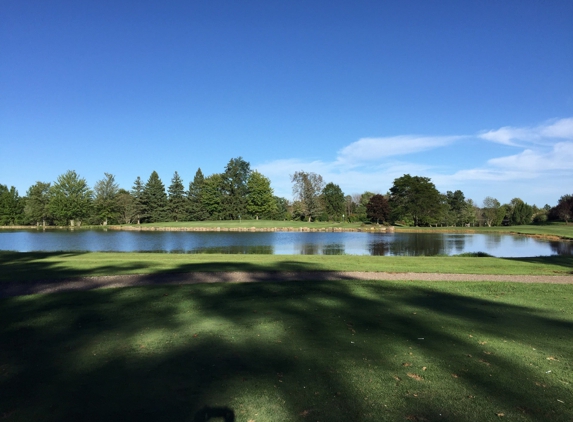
476, 95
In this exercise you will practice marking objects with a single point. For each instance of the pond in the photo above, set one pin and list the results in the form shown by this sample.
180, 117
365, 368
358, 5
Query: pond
281, 243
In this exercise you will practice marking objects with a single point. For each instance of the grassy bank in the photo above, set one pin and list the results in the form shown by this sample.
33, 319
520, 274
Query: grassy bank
31, 266
558, 230
326, 351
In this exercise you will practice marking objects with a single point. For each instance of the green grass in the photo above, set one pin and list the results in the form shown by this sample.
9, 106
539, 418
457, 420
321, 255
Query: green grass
554, 229
306, 351
252, 223
30, 266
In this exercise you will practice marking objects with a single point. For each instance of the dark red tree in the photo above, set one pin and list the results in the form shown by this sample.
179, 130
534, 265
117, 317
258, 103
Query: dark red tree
378, 209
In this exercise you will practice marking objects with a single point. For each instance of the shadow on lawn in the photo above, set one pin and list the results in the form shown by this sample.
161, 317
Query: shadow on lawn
324, 350
565, 261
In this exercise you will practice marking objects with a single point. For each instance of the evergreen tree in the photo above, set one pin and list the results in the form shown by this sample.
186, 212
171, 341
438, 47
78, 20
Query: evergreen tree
212, 197
155, 199
196, 207
11, 206
105, 203
260, 201
138, 205
37, 200
235, 190
70, 199
333, 199
177, 199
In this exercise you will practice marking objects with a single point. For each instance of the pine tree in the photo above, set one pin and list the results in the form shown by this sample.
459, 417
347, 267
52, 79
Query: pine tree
196, 208
138, 206
155, 199
177, 199
212, 198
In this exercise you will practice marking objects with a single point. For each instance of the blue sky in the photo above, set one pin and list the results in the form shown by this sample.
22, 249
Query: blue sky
476, 95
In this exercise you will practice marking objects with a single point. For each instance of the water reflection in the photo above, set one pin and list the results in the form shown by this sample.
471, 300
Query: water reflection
333, 249
281, 243
561, 248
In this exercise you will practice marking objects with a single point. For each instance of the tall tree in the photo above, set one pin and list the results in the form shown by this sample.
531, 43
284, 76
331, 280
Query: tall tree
125, 206
155, 199
493, 212
333, 199
260, 201
105, 203
378, 209
306, 189
138, 205
521, 213
177, 199
196, 208
235, 189
11, 206
416, 197
564, 208
456, 202
213, 197
70, 199
37, 200
282, 209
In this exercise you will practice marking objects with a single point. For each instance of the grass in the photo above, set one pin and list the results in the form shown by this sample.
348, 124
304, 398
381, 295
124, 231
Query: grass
252, 223
559, 230
30, 266
319, 351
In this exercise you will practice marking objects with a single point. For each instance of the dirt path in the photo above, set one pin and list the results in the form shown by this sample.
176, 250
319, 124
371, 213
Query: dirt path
89, 283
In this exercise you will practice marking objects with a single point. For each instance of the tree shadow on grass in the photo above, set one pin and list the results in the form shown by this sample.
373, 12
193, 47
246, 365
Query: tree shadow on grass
309, 350
564, 261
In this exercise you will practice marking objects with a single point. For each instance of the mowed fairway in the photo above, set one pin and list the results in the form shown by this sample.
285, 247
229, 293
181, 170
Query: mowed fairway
308, 351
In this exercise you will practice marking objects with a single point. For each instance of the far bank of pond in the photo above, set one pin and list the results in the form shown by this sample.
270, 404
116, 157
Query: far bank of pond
288, 242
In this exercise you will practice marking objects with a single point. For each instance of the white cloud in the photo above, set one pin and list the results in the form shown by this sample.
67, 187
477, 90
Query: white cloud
560, 129
370, 164
371, 149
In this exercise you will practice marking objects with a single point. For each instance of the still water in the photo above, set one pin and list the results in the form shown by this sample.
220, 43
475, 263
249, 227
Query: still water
287, 243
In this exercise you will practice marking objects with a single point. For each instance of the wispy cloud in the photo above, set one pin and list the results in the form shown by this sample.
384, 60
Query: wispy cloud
520, 136
366, 150
543, 167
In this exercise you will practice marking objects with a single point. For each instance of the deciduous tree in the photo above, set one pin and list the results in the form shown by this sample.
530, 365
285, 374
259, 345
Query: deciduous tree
306, 189
378, 209
333, 199
416, 197
70, 199
105, 203
37, 200
235, 189
11, 206
260, 200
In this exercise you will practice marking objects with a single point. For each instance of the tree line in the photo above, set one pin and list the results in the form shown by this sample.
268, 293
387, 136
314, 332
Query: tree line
242, 193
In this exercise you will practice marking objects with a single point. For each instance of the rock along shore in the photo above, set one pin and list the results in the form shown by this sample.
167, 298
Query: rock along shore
381, 229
